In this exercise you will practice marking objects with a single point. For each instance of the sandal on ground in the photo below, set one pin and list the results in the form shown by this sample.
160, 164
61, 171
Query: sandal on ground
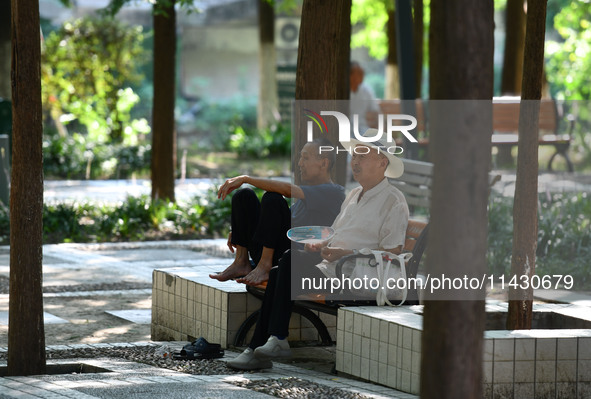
199, 349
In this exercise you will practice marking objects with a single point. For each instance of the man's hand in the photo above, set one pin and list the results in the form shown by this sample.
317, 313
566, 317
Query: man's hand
334, 253
317, 247
230, 245
231, 185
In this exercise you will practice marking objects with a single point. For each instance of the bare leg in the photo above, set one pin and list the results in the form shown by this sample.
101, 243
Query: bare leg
239, 268
260, 273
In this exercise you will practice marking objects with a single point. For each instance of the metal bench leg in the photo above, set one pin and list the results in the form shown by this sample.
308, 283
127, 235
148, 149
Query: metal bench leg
561, 149
245, 328
251, 320
317, 322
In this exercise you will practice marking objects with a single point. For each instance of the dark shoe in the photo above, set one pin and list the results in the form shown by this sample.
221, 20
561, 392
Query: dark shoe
199, 349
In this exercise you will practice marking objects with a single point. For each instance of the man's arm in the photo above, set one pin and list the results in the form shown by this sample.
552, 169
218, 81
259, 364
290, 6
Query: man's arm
286, 189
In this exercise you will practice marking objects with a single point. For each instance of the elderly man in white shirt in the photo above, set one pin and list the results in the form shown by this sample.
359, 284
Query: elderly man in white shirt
374, 216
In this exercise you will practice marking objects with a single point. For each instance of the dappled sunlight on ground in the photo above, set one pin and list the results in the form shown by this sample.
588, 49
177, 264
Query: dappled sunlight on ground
86, 320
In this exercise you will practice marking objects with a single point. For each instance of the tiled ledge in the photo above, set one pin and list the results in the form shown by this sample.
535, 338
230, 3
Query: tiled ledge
383, 345
187, 304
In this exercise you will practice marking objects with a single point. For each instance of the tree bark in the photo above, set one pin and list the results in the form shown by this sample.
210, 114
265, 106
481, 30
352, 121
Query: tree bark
163, 128
514, 45
26, 335
392, 86
268, 100
323, 66
512, 63
525, 206
419, 30
5, 49
461, 68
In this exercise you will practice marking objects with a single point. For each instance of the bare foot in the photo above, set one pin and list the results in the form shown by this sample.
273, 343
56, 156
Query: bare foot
258, 275
235, 270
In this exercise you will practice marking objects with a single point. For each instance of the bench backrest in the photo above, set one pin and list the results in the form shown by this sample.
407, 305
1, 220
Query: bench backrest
415, 182
506, 115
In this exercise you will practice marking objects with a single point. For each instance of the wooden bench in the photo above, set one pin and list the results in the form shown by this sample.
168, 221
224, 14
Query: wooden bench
416, 241
505, 125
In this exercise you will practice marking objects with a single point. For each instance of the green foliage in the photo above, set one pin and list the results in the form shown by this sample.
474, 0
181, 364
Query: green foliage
569, 60
135, 219
215, 122
275, 140
87, 66
115, 6
4, 223
213, 214
500, 235
373, 16
564, 236
76, 157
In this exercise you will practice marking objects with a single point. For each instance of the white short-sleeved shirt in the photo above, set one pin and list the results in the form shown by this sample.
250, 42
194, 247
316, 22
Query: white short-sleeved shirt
378, 220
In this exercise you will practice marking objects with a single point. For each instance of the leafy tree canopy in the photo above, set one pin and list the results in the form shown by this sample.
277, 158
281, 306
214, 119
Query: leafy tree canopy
87, 66
372, 16
569, 63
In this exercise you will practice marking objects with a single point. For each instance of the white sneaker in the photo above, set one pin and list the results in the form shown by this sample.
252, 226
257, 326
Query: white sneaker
247, 361
274, 347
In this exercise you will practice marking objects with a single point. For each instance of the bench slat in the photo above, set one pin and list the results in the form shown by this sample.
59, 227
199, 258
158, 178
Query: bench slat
418, 191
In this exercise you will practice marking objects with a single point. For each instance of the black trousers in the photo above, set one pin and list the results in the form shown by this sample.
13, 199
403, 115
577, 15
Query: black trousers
277, 304
260, 224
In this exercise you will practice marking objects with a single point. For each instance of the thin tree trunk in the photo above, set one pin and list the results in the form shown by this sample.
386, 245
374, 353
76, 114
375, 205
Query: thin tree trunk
5, 50
26, 335
268, 100
512, 63
163, 128
461, 68
419, 30
525, 206
392, 86
514, 45
323, 64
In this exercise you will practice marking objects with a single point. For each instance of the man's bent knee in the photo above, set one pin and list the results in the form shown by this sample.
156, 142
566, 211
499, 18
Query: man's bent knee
244, 194
272, 198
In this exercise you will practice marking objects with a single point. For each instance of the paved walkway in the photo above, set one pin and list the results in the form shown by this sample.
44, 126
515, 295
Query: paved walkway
79, 264
118, 190
74, 265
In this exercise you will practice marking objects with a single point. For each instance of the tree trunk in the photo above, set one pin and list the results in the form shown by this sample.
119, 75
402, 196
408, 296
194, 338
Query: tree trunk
4, 50
323, 65
26, 335
268, 100
163, 128
461, 67
419, 30
514, 44
525, 206
392, 86
512, 63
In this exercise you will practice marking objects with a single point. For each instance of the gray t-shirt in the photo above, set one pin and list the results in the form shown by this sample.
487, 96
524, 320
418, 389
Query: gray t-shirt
320, 206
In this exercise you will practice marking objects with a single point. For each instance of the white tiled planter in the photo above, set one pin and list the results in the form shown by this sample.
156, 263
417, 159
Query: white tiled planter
517, 364
187, 304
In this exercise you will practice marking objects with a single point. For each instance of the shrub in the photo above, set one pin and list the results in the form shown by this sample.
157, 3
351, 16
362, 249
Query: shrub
275, 140
564, 236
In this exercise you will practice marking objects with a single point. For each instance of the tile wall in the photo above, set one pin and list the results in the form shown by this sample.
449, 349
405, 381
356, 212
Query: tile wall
187, 304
